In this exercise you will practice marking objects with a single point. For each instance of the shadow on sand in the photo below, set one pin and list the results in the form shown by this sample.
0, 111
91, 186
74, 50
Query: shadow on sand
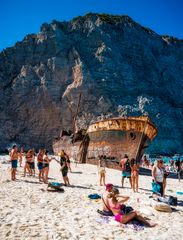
81, 187
77, 172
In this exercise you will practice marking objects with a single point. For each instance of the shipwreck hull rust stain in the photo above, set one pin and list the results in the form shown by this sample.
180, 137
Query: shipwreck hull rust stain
113, 138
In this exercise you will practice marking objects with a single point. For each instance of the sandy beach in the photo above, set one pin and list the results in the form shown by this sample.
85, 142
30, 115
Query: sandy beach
29, 211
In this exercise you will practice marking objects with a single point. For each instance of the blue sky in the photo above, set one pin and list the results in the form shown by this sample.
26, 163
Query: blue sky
21, 17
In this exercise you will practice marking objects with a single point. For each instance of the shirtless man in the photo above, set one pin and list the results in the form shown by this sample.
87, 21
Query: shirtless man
126, 169
14, 162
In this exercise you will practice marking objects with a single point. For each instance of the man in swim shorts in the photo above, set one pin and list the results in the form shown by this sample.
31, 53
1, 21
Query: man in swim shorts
126, 169
14, 162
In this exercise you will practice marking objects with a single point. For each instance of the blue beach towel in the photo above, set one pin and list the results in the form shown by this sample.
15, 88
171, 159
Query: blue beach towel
94, 196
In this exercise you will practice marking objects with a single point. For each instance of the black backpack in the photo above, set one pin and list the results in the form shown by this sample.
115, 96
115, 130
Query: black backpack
127, 166
172, 201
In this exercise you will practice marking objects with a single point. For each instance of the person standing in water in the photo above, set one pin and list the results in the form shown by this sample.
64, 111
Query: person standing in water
101, 169
64, 167
134, 174
14, 162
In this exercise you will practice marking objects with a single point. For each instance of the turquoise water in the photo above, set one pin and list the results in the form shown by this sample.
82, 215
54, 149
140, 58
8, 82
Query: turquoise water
167, 159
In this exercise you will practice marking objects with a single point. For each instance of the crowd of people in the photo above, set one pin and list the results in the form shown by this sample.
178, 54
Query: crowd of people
130, 170
113, 202
43, 162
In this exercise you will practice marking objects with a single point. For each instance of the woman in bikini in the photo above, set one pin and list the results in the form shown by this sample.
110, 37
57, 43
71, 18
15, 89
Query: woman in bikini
20, 156
64, 167
40, 164
32, 164
46, 163
28, 158
101, 169
134, 174
116, 204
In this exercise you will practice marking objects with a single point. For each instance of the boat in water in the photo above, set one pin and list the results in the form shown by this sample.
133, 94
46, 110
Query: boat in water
112, 138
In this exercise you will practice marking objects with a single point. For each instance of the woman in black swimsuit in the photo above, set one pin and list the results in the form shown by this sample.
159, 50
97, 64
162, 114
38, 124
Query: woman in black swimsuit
64, 163
46, 163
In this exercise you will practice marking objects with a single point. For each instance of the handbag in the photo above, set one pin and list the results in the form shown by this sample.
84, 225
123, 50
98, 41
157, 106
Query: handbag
156, 187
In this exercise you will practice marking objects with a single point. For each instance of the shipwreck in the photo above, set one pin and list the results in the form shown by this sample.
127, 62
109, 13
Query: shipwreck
111, 138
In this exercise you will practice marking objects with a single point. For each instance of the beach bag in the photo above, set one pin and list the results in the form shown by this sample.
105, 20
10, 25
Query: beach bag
94, 196
172, 201
156, 187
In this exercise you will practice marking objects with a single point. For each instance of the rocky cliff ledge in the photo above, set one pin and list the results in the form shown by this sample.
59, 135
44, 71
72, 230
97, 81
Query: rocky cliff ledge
116, 65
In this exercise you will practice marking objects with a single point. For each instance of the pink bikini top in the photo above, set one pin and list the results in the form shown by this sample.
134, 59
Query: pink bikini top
116, 207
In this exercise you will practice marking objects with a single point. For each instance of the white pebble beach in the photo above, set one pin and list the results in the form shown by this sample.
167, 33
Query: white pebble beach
28, 211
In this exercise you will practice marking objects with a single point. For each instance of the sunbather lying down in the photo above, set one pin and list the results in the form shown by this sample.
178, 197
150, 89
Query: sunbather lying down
115, 205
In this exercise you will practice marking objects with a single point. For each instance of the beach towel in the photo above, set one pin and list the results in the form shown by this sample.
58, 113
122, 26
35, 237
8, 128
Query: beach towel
94, 196
134, 225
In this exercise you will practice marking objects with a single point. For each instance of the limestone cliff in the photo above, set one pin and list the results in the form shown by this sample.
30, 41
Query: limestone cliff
118, 67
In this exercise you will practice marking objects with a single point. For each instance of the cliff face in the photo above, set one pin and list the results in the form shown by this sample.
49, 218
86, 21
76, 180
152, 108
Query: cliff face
116, 65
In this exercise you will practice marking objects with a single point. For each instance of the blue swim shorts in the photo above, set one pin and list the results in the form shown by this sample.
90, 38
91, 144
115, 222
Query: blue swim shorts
14, 163
40, 165
126, 174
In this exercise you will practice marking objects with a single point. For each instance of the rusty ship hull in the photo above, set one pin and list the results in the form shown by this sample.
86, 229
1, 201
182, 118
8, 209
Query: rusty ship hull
111, 138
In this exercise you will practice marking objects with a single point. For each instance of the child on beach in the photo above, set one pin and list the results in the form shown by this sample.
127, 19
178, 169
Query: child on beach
101, 169
14, 162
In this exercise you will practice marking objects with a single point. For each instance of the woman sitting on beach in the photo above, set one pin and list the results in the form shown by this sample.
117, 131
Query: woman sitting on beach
158, 174
46, 163
28, 158
116, 205
101, 169
134, 174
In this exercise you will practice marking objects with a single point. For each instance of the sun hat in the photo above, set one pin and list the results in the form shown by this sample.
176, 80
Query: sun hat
108, 186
